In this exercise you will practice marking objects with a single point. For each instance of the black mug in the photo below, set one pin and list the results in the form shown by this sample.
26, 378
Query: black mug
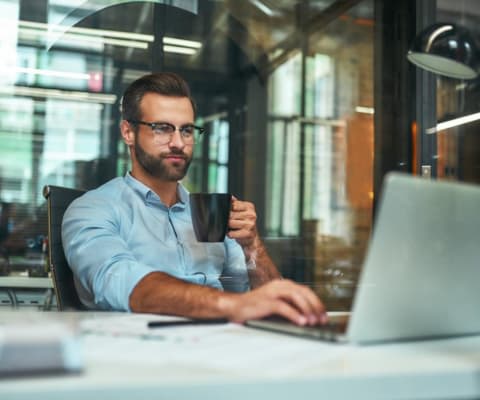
210, 214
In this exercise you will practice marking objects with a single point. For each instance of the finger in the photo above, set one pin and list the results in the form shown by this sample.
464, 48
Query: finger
278, 307
299, 301
237, 233
306, 300
241, 234
239, 205
243, 228
317, 308
243, 217
295, 295
289, 312
269, 307
240, 224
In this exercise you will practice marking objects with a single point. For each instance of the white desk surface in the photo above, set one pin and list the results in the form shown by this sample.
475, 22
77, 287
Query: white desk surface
125, 360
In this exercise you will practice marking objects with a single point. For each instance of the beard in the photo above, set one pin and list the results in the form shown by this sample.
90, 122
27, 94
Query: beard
156, 166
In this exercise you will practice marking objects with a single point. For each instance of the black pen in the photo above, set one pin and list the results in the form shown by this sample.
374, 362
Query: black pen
206, 321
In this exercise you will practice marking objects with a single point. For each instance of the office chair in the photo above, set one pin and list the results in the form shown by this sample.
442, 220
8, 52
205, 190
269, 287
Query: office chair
58, 198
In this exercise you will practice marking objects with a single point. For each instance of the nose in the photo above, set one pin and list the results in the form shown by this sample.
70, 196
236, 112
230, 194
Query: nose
176, 140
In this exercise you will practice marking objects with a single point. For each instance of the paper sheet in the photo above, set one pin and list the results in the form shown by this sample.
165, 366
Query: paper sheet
226, 348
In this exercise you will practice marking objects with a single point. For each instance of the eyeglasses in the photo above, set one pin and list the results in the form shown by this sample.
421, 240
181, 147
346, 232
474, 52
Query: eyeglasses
163, 131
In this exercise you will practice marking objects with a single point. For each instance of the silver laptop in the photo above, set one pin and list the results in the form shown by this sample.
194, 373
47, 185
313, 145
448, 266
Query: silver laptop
421, 275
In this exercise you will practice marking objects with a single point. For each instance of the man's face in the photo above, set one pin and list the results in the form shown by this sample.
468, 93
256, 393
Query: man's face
167, 161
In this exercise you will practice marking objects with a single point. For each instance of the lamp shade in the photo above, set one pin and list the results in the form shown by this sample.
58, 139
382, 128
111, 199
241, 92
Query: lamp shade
446, 49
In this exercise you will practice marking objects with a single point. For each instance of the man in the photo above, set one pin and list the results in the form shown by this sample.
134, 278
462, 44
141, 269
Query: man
131, 244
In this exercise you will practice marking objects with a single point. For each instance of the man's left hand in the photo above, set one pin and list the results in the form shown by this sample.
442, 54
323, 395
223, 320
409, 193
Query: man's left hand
243, 224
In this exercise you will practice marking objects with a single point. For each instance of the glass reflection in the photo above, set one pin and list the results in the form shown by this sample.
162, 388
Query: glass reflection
281, 87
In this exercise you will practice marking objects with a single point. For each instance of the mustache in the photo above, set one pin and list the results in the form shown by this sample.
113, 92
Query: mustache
176, 153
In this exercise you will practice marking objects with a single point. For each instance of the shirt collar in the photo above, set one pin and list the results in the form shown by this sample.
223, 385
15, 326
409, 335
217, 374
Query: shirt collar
182, 193
150, 196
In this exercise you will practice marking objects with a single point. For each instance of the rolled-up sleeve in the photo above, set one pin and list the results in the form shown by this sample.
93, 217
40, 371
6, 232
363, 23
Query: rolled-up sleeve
105, 269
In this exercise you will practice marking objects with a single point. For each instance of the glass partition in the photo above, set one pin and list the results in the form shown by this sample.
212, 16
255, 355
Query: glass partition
455, 125
284, 90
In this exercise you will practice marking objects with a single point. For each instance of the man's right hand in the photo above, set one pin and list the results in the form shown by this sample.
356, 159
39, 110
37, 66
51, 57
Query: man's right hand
283, 298
161, 293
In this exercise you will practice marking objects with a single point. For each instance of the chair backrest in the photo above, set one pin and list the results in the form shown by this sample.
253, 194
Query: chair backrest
58, 198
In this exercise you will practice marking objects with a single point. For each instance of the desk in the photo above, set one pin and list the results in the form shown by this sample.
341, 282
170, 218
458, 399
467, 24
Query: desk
124, 360
16, 283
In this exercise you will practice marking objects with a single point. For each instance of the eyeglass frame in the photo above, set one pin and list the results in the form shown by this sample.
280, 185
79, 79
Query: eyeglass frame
180, 129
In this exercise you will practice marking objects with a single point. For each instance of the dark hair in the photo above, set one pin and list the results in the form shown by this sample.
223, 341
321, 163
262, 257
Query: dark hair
164, 83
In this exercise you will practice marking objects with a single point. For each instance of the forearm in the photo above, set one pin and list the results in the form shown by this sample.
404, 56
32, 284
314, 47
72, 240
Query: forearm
242, 224
261, 267
161, 293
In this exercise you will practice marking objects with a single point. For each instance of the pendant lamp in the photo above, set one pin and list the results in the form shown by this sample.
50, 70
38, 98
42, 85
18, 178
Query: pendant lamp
446, 49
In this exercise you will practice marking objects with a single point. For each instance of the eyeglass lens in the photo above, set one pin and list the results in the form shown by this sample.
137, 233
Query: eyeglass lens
163, 133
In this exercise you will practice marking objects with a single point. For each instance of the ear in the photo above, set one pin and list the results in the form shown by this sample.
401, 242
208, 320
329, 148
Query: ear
128, 134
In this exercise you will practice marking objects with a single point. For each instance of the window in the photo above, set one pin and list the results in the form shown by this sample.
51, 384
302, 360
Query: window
287, 108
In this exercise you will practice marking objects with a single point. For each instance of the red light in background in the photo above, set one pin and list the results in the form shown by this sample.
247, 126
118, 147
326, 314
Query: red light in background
95, 82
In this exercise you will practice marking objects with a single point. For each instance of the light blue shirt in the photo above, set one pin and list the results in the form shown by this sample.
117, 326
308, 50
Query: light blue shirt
116, 234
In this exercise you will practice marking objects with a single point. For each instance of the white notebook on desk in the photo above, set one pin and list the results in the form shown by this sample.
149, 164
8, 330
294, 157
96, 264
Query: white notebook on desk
37, 344
421, 274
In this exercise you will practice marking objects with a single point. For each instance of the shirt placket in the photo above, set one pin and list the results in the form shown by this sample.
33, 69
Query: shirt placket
180, 247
